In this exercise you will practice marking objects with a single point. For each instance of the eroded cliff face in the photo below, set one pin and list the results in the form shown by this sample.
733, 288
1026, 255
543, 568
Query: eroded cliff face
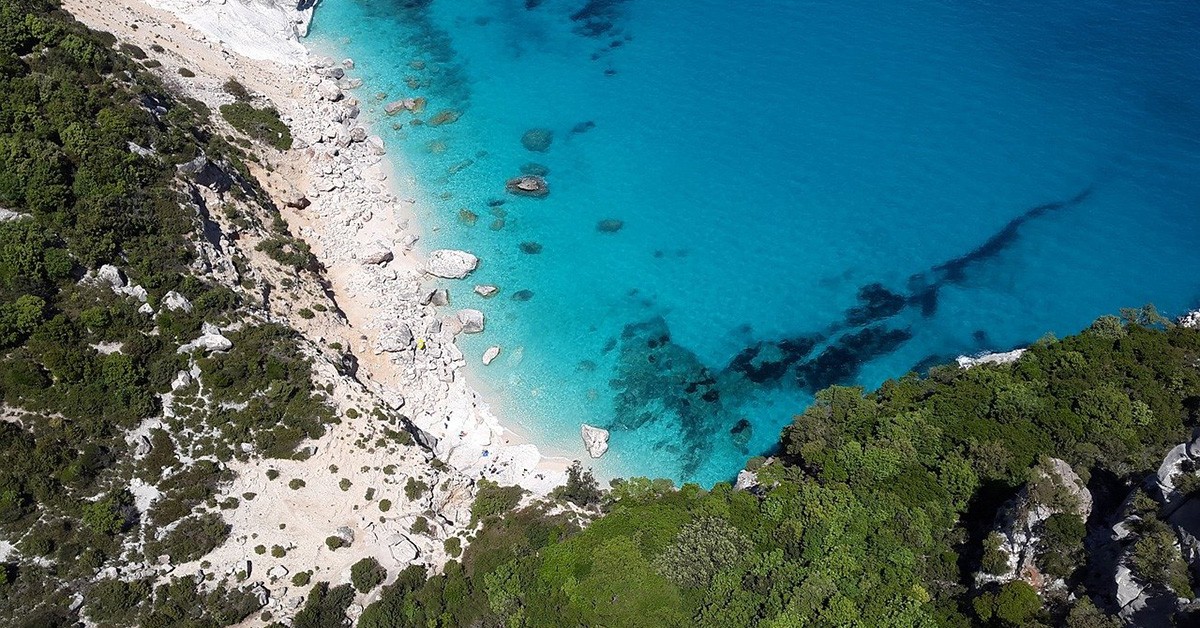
259, 29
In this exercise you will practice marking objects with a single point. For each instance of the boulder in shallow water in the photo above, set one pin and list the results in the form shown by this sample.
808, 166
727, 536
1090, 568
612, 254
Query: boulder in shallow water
451, 264
595, 440
486, 291
472, 321
491, 354
537, 140
528, 185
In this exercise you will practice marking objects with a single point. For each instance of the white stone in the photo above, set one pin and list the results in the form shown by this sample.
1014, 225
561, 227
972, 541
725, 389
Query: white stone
486, 290
491, 354
595, 440
278, 571
174, 301
451, 264
377, 255
329, 90
1007, 357
472, 321
403, 550
746, 479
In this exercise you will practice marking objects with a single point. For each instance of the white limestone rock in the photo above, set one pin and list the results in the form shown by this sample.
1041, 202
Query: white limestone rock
472, 321
377, 255
174, 301
403, 550
486, 290
451, 264
210, 340
595, 440
396, 339
490, 355
1007, 357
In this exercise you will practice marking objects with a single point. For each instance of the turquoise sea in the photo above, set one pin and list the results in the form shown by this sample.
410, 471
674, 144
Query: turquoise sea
809, 193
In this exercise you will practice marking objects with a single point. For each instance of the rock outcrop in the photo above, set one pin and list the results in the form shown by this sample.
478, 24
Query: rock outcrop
528, 185
595, 440
1054, 489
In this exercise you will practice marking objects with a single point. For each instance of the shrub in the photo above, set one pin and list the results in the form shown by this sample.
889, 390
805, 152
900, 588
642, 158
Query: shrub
236, 89
263, 125
492, 500
277, 551
334, 542
306, 313
385, 505
453, 546
367, 574
345, 484
301, 578
296, 484
420, 526
186, 73
192, 538
414, 489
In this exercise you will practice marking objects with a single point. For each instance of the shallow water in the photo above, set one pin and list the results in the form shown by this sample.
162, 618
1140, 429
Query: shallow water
968, 175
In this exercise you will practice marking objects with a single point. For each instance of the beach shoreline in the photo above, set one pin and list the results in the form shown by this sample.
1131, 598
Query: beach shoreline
370, 204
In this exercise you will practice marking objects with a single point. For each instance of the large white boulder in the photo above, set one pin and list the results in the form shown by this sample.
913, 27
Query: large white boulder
210, 340
451, 264
472, 321
595, 440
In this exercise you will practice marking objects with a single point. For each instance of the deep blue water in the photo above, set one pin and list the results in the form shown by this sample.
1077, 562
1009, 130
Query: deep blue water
811, 192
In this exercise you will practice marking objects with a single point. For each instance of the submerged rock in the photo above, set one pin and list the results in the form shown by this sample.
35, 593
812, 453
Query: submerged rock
468, 217
531, 248
522, 295
535, 169
451, 264
595, 440
528, 185
610, 225
448, 116
537, 140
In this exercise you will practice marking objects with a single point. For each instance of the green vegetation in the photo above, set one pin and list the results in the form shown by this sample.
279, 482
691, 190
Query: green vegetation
875, 513
492, 500
414, 489
74, 103
263, 125
367, 574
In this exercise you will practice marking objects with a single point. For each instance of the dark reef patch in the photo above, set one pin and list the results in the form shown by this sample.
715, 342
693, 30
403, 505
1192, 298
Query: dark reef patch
597, 18
842, 360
